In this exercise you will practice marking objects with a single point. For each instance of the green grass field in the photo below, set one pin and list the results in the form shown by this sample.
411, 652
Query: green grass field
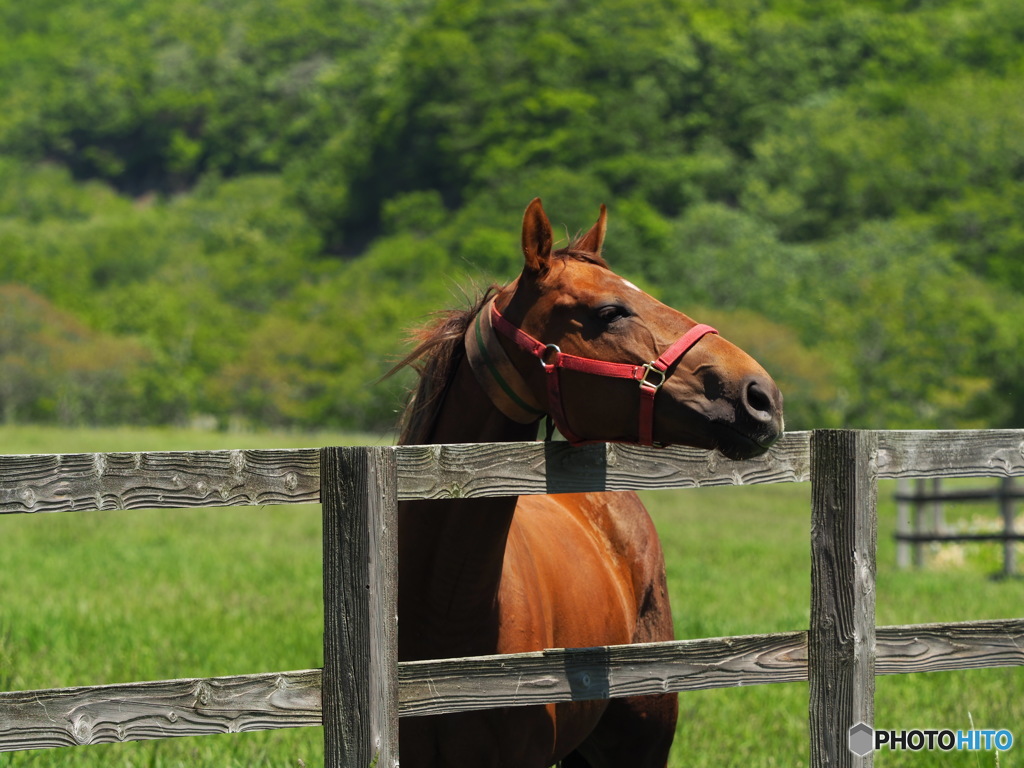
109, 597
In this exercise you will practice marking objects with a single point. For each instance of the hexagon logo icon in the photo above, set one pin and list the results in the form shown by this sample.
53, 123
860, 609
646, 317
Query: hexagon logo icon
862, 739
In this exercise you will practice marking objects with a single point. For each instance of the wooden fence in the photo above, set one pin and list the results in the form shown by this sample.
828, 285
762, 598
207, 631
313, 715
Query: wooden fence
363, 690
913, 530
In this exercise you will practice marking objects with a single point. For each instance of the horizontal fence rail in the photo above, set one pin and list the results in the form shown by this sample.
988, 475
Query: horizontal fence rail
166, 708
64, 717
358, 489
81, 482
92, 481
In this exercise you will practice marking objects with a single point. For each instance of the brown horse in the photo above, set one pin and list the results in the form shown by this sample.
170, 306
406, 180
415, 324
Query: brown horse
576, 570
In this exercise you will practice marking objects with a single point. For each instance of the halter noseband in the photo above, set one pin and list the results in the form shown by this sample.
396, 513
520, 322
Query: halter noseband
651, 376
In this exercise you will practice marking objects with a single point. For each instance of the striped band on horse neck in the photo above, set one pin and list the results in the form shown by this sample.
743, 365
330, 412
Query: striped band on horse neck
509, 392
495, 372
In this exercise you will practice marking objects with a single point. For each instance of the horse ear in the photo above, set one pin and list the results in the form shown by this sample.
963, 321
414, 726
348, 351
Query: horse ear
593, 241
536, 237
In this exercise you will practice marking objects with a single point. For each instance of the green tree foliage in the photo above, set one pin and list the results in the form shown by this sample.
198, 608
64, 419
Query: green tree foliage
234, 209
151, 95
53, 368
823, 169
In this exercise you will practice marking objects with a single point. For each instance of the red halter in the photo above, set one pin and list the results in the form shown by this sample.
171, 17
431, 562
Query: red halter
651, 376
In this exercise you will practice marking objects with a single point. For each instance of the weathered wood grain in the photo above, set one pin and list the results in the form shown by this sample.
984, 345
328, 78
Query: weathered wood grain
90, 481
80, 482
841, 637
913, 648
167, 708
456, 685
360, 688
505, 469
157, 710
383, 588
949, 453
456, 471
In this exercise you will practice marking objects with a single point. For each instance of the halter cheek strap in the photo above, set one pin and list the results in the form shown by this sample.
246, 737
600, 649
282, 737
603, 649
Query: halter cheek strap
650, 376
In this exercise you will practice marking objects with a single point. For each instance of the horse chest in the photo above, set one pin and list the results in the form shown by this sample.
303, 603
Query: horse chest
560, 585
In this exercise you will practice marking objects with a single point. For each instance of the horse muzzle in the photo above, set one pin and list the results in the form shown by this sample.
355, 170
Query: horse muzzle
756, 421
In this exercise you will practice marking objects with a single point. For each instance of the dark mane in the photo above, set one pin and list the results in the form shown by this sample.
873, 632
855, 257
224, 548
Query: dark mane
436, 356
439, 350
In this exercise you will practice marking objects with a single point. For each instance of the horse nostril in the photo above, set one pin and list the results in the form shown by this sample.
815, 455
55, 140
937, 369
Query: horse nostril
758, 402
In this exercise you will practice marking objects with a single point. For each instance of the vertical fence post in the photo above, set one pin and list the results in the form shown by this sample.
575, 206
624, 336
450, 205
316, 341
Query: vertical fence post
1006, 509
903, 524
938, 509
358, 488
841, 640
919, 490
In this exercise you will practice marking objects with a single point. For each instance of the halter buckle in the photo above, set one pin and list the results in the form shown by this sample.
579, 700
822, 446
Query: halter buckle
649, 370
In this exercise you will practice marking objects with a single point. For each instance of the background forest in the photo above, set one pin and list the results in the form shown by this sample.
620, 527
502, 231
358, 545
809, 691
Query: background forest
232, 211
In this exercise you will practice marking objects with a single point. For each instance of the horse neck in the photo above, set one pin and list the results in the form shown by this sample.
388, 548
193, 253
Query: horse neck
451, 552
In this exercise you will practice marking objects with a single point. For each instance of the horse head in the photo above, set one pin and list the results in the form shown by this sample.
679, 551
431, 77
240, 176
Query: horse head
615, 364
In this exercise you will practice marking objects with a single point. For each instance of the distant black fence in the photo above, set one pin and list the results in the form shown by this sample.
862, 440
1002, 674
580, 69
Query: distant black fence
920, 518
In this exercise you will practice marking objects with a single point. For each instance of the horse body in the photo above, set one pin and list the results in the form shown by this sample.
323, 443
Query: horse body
482, 576
578, 570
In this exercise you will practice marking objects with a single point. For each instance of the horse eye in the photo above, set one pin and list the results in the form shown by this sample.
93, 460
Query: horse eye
612, 312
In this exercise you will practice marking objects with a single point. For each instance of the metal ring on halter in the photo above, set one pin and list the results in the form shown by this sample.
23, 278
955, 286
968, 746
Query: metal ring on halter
650, 368
549, 348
